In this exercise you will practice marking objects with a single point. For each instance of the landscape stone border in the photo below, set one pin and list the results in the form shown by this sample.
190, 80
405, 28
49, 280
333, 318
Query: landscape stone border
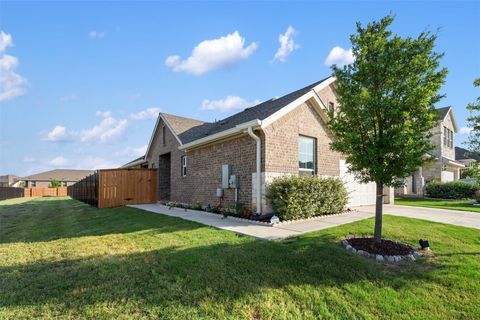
210, 214
263, 223
287, 222
381, 258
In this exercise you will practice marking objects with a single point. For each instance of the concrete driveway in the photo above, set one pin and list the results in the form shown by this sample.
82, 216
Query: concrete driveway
456, 217
267, 232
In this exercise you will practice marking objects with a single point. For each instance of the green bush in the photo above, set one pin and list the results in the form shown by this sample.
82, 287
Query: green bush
451, 190
298, 197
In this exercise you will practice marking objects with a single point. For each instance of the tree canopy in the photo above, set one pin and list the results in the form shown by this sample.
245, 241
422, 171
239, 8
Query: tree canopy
386, 96
474, 122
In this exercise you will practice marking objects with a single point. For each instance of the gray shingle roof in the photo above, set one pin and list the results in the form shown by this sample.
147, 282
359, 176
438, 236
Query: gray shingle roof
181, 124
260, 111
462, 153
139, 158
60, 175
442, 112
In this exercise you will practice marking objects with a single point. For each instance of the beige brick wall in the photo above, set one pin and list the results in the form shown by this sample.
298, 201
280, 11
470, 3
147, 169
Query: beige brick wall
204, 168
432, 170
281, 140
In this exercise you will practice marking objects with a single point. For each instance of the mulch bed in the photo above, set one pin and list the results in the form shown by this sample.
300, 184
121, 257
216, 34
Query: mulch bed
384, 248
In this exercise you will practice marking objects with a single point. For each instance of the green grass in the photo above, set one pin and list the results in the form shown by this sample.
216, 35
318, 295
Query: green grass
462, 205
60, 258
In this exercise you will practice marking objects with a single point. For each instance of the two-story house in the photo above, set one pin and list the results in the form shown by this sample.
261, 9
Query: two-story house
441, 165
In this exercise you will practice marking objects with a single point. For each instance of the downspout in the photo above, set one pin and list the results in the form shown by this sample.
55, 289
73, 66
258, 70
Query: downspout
259, 168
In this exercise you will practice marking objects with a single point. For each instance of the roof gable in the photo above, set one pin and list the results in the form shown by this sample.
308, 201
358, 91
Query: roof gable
444, 112
188, 131
260, 111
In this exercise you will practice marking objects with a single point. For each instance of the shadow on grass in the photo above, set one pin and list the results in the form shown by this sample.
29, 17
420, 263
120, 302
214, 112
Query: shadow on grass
219, 273
46, 219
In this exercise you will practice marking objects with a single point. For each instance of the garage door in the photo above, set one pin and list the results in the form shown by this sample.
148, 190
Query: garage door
447, 176
360, 194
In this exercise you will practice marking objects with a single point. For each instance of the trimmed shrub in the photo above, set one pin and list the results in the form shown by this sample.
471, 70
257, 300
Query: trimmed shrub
299, 197
451, 190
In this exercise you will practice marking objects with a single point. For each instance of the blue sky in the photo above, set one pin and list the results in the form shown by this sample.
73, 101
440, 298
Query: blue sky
81, 82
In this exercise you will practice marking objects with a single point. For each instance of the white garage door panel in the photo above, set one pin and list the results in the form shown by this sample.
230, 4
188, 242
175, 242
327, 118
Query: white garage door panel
360, 194
447, 176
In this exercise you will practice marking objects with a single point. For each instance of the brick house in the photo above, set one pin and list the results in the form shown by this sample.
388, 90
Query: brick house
66, 177
442, 165
286, 135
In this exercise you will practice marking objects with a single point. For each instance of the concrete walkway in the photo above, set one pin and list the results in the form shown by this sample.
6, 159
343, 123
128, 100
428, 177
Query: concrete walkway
267, 232
456, 217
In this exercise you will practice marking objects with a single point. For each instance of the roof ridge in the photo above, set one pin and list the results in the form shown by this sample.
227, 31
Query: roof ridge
177, 116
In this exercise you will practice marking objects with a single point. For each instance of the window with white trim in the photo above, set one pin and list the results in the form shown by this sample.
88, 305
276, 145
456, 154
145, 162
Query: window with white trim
307, 154
184, 165
447, 137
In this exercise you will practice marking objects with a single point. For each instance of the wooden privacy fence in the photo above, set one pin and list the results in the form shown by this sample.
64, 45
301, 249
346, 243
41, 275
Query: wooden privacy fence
45, 192
116, 187
11, 192
85, 190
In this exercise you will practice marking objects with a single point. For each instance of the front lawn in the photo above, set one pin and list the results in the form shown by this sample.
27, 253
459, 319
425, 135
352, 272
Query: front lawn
462, 205
60, 258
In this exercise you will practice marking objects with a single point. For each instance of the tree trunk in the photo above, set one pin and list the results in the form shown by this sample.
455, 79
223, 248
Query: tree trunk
378, 213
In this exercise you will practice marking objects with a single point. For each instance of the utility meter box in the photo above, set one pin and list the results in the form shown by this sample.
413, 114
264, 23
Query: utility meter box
233, 181
219, 193
226, 172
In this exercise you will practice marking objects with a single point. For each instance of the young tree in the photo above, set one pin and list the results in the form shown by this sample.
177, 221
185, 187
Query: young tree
386, 99
54, 184
474, 122
471, 172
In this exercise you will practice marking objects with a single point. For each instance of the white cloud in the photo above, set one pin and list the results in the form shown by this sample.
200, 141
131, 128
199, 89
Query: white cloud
132, 152
94, 162
213, 54
68, 97
103, 114
58, 161
287, 44
108, 130
88, 162
465, 130
227, 104
28, 159
150, 113
340, 57
97, 34
11, 83
58, 134
5, 41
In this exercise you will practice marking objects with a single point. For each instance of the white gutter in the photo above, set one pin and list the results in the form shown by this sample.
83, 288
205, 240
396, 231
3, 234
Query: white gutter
132, 164
259, 168
220, 135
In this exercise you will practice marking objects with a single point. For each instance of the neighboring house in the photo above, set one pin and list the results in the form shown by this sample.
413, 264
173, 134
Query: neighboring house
467, 158
9, 180
140, 162
66, 177
442, 165
198, 161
